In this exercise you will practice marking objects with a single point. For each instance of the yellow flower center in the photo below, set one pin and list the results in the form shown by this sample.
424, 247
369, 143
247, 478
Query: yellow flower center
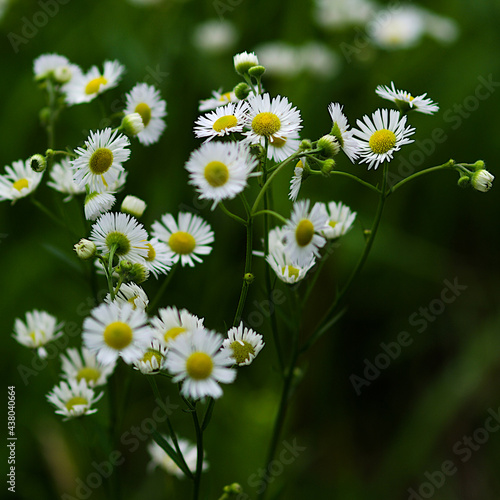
151, 252
118, 335
182, 243
94, 85
241, 350
41, 337
278, 142
304, 232
89, 374
332, 223
225, 122
77, 400
382, 141
299, 164
293, 272
266, 124
145, 111
216, 173
119, 241
226, 97
199, 365
173, 332
20, 184
132, 300
150, 356
100, 161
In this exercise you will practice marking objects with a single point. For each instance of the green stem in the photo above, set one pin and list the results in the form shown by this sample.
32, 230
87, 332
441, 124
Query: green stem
199, 455
248, 269
110, 271
448, 164
355, 178
320, 330
163, 287
230, 214
52, 216
317, 272
273, 213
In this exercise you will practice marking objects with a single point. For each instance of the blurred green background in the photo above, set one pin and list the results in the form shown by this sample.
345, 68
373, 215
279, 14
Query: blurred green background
417, 414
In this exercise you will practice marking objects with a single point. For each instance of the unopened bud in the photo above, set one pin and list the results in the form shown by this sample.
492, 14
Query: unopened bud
132, 124
38, 163
133, 206
257, 71
85, 249
242, 90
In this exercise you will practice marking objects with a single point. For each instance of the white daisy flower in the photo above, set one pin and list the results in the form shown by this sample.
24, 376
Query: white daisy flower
482, 180
73, 398
277, 239
84, 366
274, 120
285, 268
56, 67
405, 101
296, 180
217, 99
302, 240
130, 293
99, 163
96, 204
196, 360
340, 219
39, 329
19, 181
242, 344
381, 136
146, 100
159, 257
280, 149
187, 239
61, 175
153, 358
220, 170
113, 331
86, 87
223, 121
159, 458
122, 232
244, 61
171, 322
340, 130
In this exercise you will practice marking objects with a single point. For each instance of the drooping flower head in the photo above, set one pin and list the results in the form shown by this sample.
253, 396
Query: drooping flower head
340, 130
19, 181
405, 101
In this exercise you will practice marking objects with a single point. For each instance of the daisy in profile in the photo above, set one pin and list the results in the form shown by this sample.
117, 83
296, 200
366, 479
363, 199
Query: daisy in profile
84, 87
171, 322
38, 330
98, 164
153, 358
73, 398
195, 359
61, 179
217, 99
55, 67
242, 344
96, 204
130, 293
84, 366
160, 458
302, 232
188, 239
271, 120
159, 257
405, 101
285, 268
113, 331
122, 233
19, 181
146, 100
340, 219
281, 149
223, 121
296, 180
220, 170
340, 130
381, 136
244, 61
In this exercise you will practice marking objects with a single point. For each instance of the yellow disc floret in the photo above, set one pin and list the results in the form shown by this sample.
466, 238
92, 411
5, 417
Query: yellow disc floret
242, 350
173, 332
199, 365
225, 122
89, 374
182, 243
304, 232
151, 253
277, 142
382, 141
216, 173
77, 400
266, 124
118, 335
100, 161
293, 272
20, 184
145, 111
93, 86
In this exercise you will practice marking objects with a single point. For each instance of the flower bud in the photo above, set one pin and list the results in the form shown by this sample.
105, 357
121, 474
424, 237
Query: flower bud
244, 61
38, 163
242, 90
464, 181
327, 166
257, 71
482, 180
329, 146
133, 206
305, 145
232, 492
62, 74
132, 124
85, 249
249, 277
